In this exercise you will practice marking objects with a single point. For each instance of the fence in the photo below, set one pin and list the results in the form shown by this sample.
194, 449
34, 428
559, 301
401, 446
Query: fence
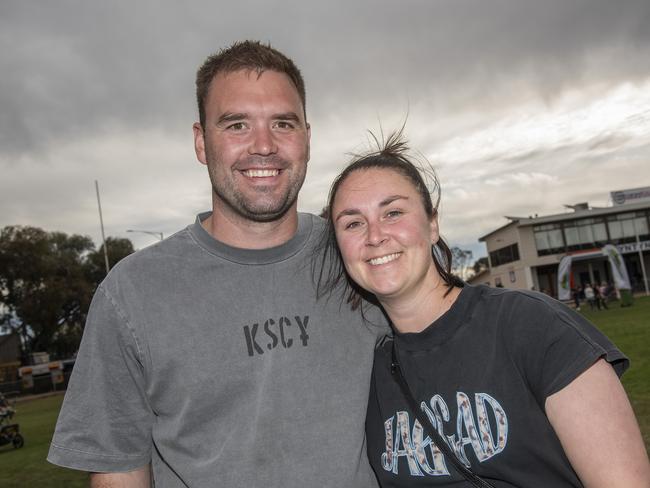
42, 384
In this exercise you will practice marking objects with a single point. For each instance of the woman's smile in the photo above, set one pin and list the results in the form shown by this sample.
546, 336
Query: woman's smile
384, 259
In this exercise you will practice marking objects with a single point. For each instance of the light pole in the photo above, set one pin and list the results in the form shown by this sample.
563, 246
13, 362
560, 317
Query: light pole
101, 224
159, 235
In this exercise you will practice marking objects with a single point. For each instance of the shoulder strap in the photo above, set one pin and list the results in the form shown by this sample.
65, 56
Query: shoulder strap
396, 371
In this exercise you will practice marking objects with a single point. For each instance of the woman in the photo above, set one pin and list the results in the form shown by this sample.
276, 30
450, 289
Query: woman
524, 390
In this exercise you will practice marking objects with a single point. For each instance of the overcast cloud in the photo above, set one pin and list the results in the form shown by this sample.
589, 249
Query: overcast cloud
522, 106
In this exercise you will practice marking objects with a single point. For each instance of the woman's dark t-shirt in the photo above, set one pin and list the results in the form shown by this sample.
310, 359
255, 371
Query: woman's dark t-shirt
482, 373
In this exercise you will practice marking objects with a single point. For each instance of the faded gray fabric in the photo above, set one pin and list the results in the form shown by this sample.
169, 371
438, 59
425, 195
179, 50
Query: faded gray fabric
219, 367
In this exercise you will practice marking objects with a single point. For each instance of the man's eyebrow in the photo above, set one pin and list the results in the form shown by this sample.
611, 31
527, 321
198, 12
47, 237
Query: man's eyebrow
287, 116
290, 117
231, 117
234, 117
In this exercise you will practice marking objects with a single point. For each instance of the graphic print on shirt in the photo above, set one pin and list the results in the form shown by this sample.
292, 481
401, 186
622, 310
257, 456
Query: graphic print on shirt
482, 425
275, 332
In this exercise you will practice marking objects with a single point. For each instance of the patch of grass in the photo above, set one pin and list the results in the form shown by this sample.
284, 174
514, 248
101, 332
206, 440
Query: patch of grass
27, 467
629, 329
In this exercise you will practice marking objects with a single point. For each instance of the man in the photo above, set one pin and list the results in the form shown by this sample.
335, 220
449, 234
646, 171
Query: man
206, 359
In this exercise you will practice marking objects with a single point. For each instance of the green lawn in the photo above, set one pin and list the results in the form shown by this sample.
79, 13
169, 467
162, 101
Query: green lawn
629, 328
26, 467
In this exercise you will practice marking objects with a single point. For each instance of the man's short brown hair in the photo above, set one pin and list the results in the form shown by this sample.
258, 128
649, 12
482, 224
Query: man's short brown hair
245, 55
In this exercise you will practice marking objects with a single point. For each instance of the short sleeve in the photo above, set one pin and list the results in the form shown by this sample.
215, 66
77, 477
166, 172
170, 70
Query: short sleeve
105, 422
556, 345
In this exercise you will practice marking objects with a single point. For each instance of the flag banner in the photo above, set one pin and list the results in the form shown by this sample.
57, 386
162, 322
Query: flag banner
563, 279
619, 271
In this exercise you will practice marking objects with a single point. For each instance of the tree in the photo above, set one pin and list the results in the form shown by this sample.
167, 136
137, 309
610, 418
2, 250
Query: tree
42, 282
460, 262
47, 280
481, 264
118, 249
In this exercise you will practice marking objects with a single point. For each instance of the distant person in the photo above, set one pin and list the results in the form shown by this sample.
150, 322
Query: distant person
597, 296
590, 296
603, 294
6, 410
575, 292
610, 291
207, 358
518, 387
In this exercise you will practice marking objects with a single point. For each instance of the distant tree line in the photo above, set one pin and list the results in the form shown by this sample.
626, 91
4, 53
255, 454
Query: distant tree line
47, 280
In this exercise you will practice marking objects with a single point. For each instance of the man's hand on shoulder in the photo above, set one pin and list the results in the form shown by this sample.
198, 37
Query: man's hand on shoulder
140, 478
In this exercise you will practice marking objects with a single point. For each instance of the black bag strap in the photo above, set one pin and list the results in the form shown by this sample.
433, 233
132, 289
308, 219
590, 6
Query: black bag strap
396, 371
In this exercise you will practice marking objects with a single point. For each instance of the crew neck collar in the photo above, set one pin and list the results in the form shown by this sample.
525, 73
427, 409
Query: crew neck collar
252, 256
445, 326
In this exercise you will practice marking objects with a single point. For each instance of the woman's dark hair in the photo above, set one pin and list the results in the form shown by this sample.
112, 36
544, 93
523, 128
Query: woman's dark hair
393, 155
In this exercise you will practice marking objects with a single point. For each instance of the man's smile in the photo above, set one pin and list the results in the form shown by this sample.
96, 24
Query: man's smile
261, 173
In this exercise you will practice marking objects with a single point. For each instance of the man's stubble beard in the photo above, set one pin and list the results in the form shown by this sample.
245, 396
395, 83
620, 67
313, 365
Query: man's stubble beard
251, 209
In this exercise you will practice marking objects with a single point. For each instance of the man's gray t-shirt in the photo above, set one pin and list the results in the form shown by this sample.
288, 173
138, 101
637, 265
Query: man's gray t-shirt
219, 366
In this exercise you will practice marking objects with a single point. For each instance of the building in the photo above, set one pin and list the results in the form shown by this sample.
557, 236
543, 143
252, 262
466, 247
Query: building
525, 253
9, 357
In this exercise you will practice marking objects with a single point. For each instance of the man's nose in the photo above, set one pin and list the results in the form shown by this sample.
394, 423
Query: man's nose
263, 142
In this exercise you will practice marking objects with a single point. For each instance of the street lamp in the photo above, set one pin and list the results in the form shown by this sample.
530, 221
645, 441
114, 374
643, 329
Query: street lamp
159, 235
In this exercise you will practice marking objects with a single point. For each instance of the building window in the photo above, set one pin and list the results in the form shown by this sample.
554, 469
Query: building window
600, 233
504, 255
590, 233
549, 239
513, 277
623, 228
642, 227
497, 282
585, 234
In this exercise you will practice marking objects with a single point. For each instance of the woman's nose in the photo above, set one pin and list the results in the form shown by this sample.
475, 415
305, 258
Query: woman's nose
376, 235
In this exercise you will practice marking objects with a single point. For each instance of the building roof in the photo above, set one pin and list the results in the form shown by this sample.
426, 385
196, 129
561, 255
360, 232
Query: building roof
570, 215
513, 221
590, 212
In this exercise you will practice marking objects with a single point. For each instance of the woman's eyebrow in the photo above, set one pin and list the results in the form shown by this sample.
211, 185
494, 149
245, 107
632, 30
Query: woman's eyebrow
383, 203
346, 212
391, 199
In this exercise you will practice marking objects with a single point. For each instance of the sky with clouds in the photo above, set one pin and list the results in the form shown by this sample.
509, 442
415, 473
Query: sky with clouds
522, 106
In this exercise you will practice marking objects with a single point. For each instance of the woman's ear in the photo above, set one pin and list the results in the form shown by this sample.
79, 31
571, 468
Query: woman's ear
435, 234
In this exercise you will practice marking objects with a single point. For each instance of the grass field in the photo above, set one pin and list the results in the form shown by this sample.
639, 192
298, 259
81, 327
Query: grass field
26, 467
629, 328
